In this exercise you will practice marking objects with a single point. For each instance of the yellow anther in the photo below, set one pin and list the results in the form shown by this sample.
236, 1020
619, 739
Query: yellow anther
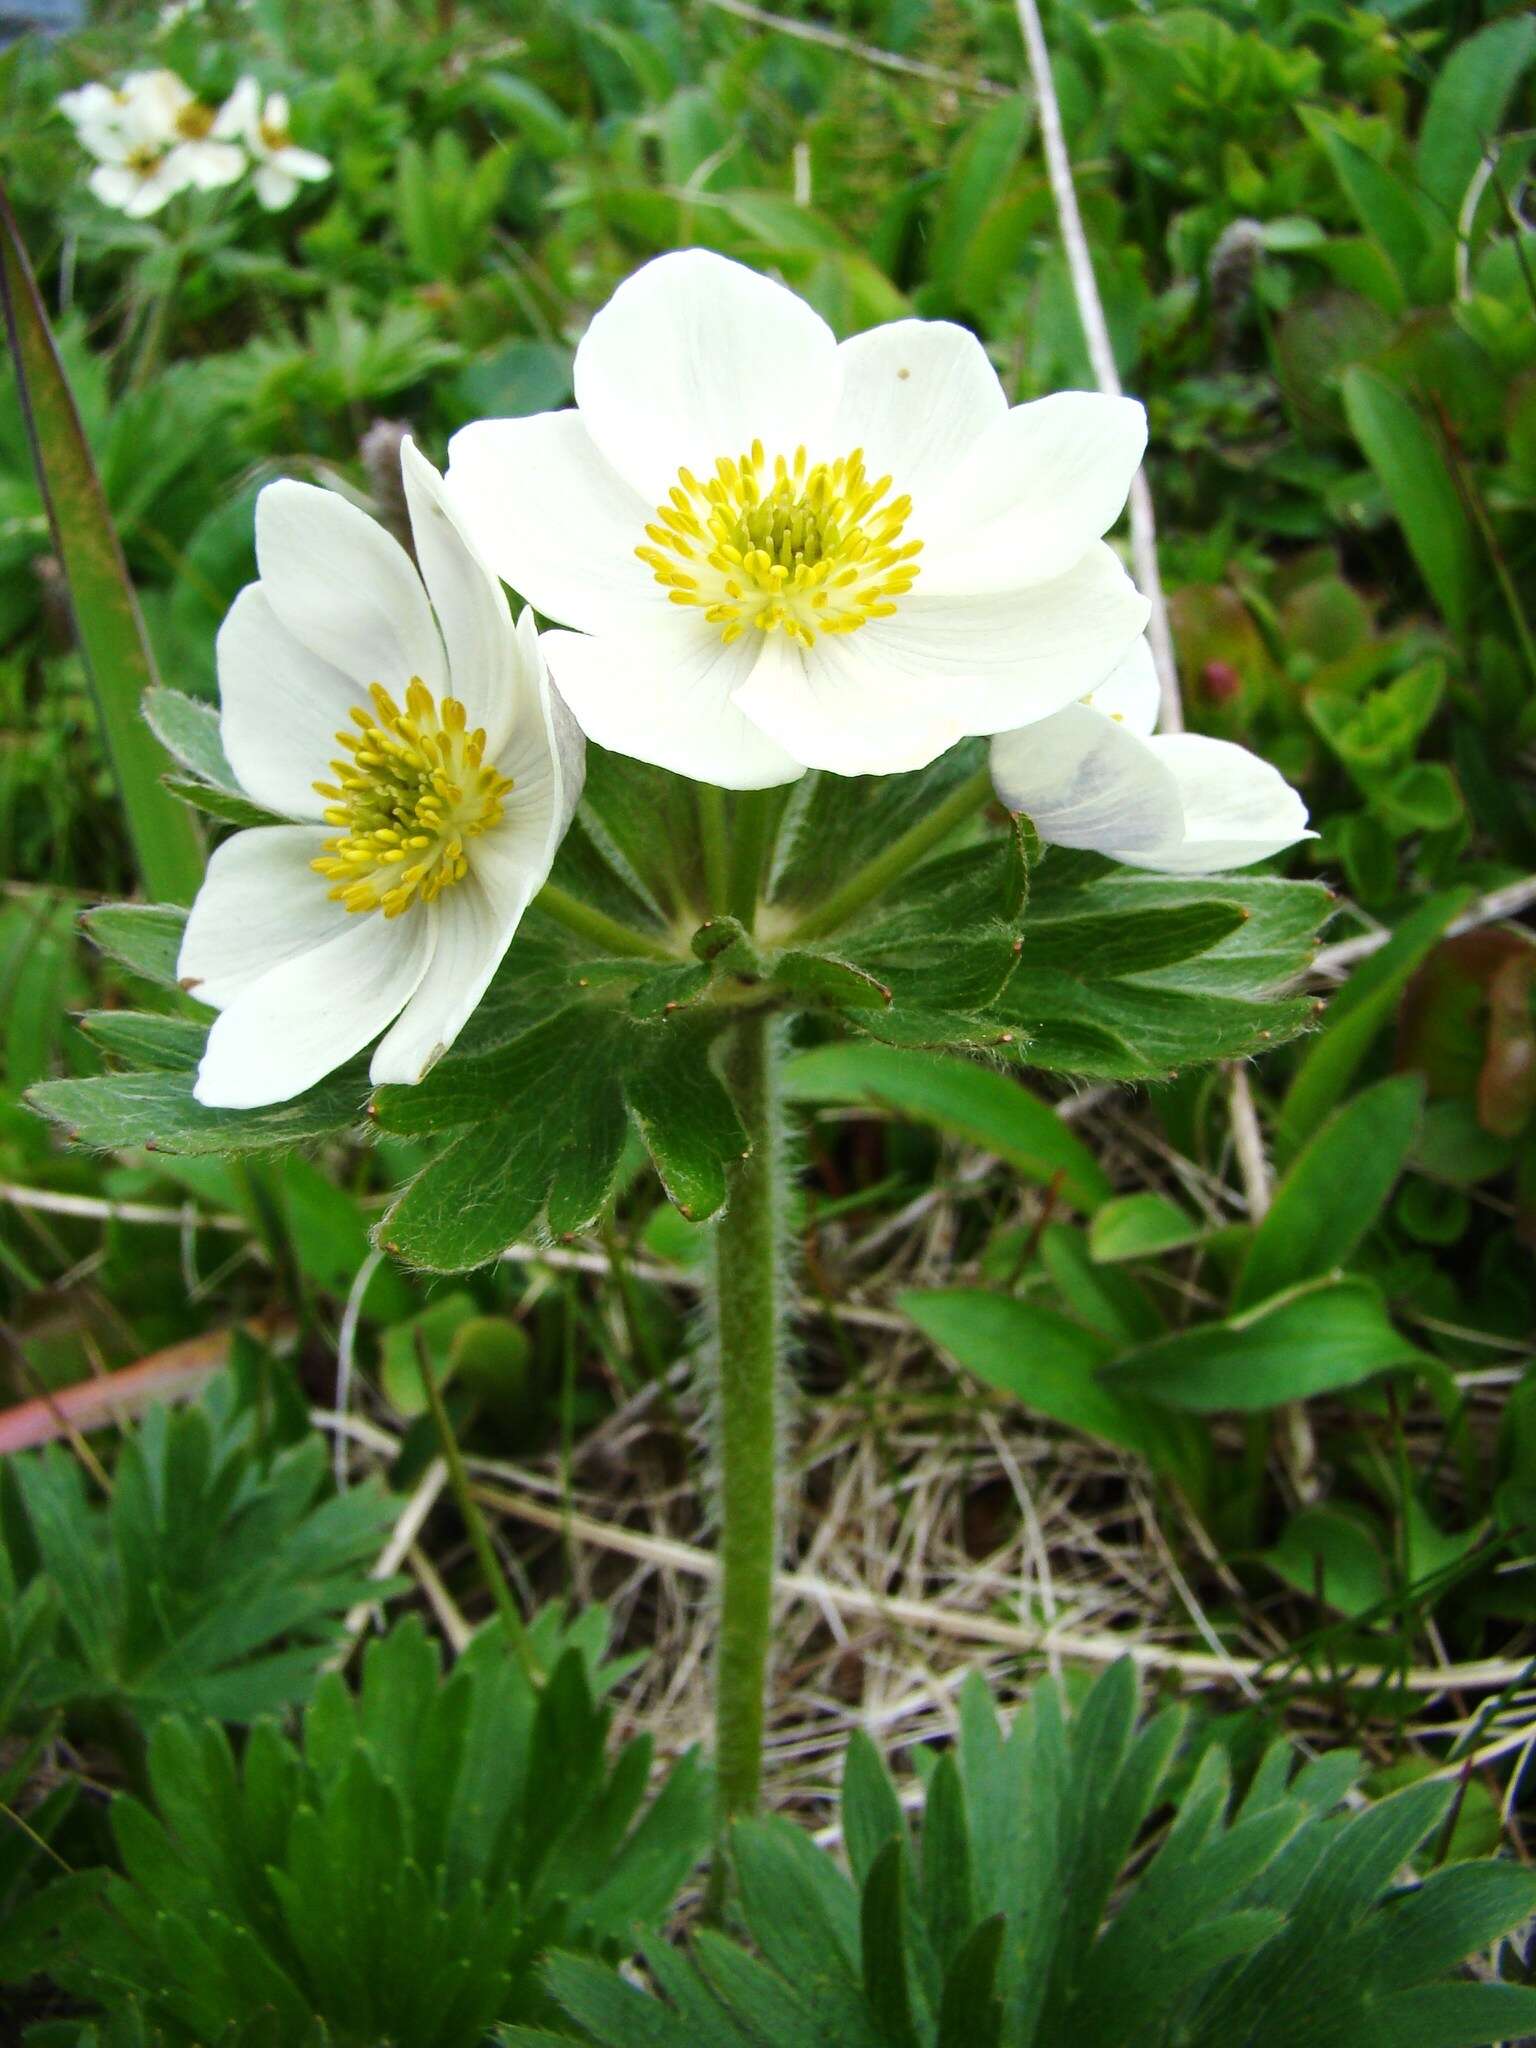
414, 789
777, 543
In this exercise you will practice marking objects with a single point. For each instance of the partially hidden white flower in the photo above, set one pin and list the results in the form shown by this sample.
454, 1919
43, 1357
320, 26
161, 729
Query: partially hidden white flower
780, 552
174, 13
429, 773
1095, 775
280, 166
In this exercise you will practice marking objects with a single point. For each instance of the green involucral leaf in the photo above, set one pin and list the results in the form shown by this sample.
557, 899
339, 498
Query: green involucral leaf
1412, 469
144, 936
1209, 985
142, 1039
486, 1189
1334, 1191
111, 632
1315, 1340
975, 1103
530, 1077
156, 1110
687, 1119
218, 803
189, 729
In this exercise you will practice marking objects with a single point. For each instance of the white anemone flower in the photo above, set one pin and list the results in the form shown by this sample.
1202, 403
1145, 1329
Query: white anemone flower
429, 773
152, 137
98, 113
280, 166
1095, 775
780, 552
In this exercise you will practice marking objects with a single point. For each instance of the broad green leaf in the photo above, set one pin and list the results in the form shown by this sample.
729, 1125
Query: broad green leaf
1355, 1015
1411, 467
978, 173
975, 1103
218, 803
479, 1194
1333, 1553
1106, 944
1466, 105
1315, 1340
1333, 1192
157, 1110
111, 633
1041, 1358
1139, 1227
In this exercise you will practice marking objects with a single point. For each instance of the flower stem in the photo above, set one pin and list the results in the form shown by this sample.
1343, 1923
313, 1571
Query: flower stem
877, 876
754, 815
596, 925
749, 1300
712, 845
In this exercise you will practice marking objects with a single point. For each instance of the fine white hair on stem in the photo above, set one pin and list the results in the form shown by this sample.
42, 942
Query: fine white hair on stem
1101, 355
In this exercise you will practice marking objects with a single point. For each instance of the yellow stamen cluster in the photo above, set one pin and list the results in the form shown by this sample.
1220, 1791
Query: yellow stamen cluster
194, 120
144, 159
783, 545
272, 137
413, 791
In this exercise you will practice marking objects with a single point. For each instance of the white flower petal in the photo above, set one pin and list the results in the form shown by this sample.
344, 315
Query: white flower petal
994, 662
346, 588
554, 519
1131, 695
116, 186
917, 396
274, 188
471, 606
161, 185
468, 942
839, 707
1085, 781
545, 752
1237, 808
693, 358
1032, 495
665, 695
261, 903
309, 1015
240, 112
281, 705
210, 165
305, 164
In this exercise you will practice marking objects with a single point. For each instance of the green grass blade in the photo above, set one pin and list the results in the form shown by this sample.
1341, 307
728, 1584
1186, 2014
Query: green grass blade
166, 841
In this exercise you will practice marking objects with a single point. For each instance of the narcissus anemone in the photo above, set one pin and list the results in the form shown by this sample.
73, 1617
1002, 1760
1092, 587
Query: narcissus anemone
782, 552
411, 735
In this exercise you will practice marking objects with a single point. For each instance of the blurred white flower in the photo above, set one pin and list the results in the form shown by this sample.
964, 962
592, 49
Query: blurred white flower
280, 166
1095, 776
175, 12
151, 137
783, 552
430, 773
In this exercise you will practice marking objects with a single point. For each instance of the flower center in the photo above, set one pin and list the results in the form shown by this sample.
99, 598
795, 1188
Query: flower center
145, 159
194, 120
272, 137
414, 790
810, 550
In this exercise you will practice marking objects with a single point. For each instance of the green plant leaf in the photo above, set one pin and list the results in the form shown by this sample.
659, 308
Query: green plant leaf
1412, 469
1042, 1359
111, 633
1383, 204
975, 1103
1466, 105
1333, 1192
157, 1110
143, 936
1315, 1340
1356, 1014
1139, 1227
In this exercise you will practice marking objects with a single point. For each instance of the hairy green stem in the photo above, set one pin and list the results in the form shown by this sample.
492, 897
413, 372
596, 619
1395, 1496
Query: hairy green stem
877, 876
749, 1302
596, 925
